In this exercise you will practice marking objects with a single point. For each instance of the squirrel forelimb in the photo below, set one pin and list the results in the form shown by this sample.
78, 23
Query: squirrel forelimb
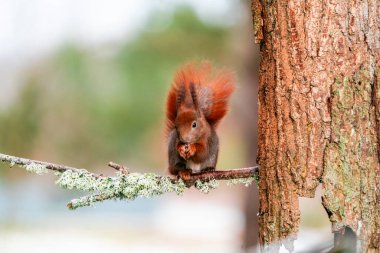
186, 151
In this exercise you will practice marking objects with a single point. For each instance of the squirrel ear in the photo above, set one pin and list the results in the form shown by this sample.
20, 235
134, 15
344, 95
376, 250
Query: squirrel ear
181, 93
193, 93
194, 97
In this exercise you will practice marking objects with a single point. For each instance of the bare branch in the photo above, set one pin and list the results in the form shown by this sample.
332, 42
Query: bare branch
119, 167
226, 174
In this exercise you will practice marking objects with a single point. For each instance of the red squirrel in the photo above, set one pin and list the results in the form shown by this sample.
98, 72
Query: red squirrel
197, 101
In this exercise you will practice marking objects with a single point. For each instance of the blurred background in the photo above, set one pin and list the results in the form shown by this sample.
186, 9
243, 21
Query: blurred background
84, 82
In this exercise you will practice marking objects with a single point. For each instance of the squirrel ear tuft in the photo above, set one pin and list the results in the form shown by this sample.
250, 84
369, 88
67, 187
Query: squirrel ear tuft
194, 98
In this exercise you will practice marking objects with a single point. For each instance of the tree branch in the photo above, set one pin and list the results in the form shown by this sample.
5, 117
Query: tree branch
118, 167
24, 162
125, 185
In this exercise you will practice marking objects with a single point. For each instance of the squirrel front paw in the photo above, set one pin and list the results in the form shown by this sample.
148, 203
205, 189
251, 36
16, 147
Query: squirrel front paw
186, 151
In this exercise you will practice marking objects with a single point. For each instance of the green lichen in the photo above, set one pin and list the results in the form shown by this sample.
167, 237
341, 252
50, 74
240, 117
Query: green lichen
206, 186
124, 187
245, 181
351, 156
118, 187
127, 187
35, 168
84, 201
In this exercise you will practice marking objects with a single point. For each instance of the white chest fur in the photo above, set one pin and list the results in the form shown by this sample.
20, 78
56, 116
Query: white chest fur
195, 167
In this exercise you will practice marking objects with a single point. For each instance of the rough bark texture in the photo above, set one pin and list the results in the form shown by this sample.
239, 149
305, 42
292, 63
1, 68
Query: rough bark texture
319, 114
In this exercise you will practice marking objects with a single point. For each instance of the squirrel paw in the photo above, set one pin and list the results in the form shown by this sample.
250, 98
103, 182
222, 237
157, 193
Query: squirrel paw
186, 151
185, 174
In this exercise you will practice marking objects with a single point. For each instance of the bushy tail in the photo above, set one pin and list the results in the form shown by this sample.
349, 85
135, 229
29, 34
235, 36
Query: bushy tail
198, 86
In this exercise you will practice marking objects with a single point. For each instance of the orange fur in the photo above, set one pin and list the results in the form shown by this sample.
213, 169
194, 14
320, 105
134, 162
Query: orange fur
212, 90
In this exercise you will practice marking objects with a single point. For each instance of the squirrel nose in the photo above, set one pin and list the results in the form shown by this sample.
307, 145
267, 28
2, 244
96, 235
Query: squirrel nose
182, 140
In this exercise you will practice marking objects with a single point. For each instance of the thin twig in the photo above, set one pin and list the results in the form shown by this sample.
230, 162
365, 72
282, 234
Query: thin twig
119, 167
24, 161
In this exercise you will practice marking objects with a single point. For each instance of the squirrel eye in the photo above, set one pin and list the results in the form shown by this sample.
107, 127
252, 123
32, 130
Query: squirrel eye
194, 125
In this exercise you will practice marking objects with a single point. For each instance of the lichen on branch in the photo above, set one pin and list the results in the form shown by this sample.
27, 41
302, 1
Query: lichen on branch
35, 168
129, 186
120, 187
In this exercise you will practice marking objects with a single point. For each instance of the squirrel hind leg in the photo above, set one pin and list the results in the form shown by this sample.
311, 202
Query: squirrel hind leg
175, 169
185, 175
210, 163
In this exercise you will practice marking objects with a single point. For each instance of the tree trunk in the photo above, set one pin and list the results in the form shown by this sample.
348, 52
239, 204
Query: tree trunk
319, 114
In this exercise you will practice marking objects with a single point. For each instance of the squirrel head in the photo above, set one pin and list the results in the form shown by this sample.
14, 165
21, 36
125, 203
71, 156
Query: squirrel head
191, 126
197, 101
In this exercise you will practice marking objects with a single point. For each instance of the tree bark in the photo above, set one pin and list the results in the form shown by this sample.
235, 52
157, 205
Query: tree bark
319, 114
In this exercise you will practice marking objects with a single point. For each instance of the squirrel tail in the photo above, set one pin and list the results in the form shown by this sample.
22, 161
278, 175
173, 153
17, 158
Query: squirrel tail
222, 86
